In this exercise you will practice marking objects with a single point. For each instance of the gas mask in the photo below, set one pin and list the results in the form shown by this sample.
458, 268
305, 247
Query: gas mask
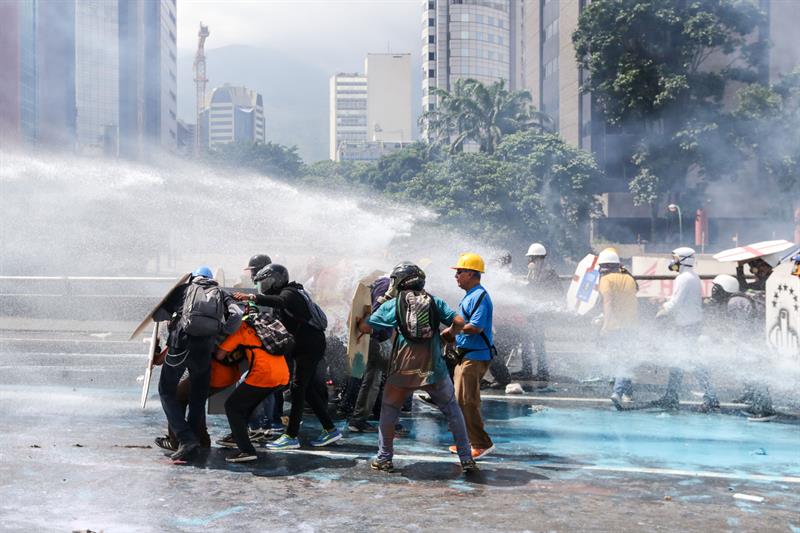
675, 264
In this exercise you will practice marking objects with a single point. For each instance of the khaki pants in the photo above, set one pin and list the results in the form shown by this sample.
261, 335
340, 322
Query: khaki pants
468, 393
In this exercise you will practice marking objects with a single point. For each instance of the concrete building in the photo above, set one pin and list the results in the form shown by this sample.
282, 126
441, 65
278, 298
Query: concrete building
368, 151
388, 97
234, 114
478, 39
348, 110
148, 84
97, 75
551, 74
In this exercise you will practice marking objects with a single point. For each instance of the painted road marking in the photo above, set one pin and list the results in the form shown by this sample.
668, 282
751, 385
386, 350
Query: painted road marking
524, 398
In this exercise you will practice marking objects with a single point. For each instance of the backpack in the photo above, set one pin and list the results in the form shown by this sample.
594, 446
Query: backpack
203, 308
318, 320
275, 338
417, 316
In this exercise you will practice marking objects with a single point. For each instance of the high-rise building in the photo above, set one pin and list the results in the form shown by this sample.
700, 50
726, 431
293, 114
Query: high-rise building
234, 114
37, 87
478, 39
388, 97
348, 110
147, 76
97, 75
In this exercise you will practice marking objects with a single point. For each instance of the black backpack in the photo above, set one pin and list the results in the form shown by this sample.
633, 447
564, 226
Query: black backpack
417, 316
318, 320
203, 308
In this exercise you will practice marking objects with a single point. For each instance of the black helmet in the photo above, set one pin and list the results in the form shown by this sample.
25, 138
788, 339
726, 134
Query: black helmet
256, 263
272, 278
408, 276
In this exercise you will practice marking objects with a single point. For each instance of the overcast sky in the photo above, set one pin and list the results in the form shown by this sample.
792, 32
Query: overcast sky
334, 34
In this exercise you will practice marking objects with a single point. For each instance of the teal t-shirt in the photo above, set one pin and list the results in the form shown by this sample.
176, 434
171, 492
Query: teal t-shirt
413, 364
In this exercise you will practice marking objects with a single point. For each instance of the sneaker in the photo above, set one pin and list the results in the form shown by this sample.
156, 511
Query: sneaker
241, 457
480, 453
627, 398
284, 442
276, 430
616, 398
361, 426
256, 435
184, 451
384, 465
453, 449
166, 443
469, 466
400, 430
709, 405
327, 437
227, 441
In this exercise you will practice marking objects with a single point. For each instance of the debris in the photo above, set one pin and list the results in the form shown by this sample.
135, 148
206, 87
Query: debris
140, 379
748, 497
514, 388
538, 408
667, 498
142, 446
35, 446
759, 451
77, 445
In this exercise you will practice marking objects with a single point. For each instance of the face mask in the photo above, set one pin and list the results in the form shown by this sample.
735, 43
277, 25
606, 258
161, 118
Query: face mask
675, 265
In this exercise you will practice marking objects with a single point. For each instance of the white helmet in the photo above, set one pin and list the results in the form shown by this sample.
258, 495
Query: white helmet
608, 257
536, 250
727, 283
683, 256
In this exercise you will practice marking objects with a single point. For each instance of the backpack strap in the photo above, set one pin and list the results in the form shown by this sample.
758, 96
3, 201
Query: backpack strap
468, 317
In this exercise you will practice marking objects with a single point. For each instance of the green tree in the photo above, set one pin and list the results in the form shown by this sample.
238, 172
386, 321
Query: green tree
475, 112
659, 68
271, 159
767, 130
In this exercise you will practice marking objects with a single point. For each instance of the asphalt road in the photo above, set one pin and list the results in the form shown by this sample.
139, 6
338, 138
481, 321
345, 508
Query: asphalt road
76, 454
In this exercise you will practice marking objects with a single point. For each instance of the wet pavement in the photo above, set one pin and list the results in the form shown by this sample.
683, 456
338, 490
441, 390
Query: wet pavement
76, 454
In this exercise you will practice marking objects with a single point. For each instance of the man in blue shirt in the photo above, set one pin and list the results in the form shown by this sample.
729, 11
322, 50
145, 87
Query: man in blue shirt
475, 349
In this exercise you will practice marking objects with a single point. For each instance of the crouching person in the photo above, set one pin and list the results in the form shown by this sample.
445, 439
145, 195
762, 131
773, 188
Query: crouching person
267, 373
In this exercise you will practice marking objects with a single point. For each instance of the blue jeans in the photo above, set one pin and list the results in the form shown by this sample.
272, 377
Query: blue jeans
197, 360
443, 395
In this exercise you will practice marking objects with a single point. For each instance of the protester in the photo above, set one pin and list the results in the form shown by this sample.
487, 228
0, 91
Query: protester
266, 374
197, 314
737, 319
300, 316
475, 350
684, 310
545, 287
416, 360
376, 364
620, 316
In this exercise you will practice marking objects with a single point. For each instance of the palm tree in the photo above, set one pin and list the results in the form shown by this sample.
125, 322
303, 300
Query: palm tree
475, 112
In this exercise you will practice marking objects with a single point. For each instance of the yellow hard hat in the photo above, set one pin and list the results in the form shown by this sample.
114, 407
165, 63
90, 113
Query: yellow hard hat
469, 261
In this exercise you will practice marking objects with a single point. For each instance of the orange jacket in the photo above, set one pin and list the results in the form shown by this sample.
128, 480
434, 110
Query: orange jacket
266, 370
223, 376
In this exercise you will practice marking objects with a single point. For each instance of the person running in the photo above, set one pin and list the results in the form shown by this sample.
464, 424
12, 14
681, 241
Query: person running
416, 360
266, 374
475, 350
294, 308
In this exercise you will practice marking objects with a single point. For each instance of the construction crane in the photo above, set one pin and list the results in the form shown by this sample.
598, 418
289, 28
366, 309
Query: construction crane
200, 81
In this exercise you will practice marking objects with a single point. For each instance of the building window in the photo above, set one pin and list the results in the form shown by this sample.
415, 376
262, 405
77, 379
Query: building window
431, 107
431, 4
431, 56
431, 73
431, 22
431, 39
